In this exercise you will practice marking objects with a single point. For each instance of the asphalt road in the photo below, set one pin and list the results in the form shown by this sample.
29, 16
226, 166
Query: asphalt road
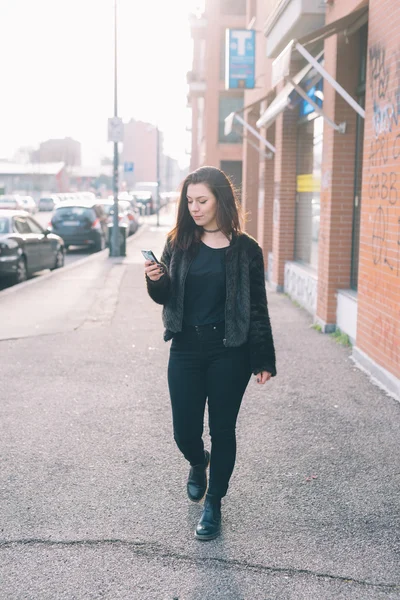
92, 487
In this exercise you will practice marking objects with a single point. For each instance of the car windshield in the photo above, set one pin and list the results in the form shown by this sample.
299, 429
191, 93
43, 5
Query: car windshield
4, 225
74, 213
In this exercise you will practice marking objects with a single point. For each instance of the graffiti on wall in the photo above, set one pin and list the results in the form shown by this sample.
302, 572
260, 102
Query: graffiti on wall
384, 180
383, 282
301, 286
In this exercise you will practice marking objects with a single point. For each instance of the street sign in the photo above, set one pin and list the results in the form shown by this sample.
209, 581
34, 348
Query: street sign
129, 167
115, 130
240, 58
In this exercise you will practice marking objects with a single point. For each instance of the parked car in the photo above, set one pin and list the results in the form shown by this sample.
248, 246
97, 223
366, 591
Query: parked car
126, 209
123, 215
145, 202
133, 215
81, 224
25, 247
48, 203
28, 204
135, 211
10, 202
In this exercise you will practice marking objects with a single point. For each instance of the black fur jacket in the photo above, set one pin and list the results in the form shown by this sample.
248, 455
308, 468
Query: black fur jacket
246, 310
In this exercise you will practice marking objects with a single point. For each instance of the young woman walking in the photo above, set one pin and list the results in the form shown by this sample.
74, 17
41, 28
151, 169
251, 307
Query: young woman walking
211, 282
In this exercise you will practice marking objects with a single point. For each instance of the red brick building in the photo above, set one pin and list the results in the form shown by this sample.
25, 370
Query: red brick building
210, 102
321, 165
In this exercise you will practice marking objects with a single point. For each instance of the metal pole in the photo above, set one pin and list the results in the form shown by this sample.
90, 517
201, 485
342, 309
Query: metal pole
158, 177
115, 234
340, 90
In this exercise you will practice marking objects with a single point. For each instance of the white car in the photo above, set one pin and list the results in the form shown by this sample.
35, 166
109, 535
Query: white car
11, 202
28, 204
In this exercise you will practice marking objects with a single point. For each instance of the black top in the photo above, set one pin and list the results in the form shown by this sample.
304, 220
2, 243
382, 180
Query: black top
205, 287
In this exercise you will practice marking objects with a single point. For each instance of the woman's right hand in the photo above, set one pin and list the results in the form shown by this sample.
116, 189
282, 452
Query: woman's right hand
153, 270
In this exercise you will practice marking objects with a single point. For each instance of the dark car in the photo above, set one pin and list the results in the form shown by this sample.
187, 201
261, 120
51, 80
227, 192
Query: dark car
25, 247
81, 224
48, 203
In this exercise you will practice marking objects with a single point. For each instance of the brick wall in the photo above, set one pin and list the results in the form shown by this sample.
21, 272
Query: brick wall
251, 158
266, 198
284, 194
378, 331
337, 188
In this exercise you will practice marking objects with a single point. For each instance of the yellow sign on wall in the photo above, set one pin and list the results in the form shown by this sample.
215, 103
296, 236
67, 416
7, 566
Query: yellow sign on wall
308, 183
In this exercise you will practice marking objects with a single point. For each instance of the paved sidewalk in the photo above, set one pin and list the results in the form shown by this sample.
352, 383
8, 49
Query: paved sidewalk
92, 488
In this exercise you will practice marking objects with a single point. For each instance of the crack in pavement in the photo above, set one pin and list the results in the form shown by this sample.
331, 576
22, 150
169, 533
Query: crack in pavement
155, 550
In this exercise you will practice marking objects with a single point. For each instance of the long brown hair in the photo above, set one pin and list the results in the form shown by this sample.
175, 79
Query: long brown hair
229, 212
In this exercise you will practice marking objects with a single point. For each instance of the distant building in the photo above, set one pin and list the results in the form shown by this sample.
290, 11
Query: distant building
65, 150
210, 102
91, 179
33, 178
140, 148
140, 154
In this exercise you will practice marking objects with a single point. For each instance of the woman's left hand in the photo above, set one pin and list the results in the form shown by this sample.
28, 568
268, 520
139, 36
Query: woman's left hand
263, 377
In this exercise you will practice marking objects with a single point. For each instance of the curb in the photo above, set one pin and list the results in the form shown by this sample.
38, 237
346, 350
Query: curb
77, 263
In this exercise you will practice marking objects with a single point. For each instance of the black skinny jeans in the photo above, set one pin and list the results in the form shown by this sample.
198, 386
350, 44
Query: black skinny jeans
201, 367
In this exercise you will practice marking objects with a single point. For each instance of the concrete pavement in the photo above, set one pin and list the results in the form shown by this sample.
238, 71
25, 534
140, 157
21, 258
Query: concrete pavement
92, 488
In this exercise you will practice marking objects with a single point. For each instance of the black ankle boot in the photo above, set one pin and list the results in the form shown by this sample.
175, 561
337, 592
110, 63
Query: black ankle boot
197, 481
209, 526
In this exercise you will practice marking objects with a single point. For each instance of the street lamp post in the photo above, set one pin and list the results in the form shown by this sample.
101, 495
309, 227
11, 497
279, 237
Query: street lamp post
115, 234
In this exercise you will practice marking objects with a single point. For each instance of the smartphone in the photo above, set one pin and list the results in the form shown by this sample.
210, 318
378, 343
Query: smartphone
149, 255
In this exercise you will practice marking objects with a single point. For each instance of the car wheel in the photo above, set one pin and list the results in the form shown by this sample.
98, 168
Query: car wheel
59, 261
22, 271
100, 244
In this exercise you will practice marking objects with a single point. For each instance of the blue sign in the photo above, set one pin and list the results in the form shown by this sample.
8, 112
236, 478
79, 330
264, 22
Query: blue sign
240, 59
129, 167
315, 94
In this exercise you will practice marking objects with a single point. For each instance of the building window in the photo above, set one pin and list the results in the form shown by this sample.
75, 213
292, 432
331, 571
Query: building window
233, 168
233, 7
227, 105
309, 160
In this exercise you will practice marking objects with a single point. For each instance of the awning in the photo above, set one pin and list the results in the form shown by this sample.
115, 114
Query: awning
235, 118
282, 100
349, 24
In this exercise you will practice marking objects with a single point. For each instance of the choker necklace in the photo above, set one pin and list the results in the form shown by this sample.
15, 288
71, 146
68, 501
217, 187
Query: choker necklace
210, 230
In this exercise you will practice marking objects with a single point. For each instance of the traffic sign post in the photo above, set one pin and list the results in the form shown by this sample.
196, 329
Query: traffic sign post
115, 130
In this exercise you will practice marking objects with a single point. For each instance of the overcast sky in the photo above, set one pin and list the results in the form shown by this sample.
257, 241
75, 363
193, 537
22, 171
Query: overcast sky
57, 71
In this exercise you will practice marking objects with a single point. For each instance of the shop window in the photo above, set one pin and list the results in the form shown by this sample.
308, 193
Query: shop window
227, 105
358, 169
233, 7
309, 160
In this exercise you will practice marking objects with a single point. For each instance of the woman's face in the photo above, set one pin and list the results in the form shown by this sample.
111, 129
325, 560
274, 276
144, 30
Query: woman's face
202, 205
